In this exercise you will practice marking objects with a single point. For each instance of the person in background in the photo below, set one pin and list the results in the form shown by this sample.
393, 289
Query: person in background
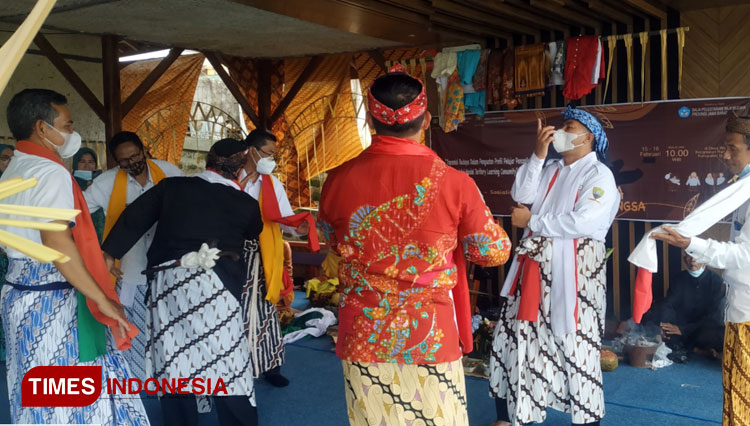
85, 164
53, 312
691, 316
404, 222
111, 192
86, 160
6, 154
257, 172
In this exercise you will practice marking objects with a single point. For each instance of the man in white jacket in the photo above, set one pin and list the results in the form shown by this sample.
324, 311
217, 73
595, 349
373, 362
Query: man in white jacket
734, 258
546, 345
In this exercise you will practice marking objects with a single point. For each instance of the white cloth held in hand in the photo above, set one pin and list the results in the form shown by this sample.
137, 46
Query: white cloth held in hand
706, 215
204, 258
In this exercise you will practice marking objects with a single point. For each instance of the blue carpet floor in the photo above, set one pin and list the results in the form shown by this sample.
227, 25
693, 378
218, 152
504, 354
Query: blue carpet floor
681, 395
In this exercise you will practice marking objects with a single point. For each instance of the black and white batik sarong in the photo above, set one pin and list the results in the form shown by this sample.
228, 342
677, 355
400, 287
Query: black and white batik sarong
534, 369
197, 331
262, 321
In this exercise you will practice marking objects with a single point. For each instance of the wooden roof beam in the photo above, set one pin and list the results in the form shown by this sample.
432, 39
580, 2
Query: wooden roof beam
474, 15
650, 8
137, 94
365, 17
582, 8
611, 13
469, 27
218, 64
626, 8
570, 15
379, 59
566, 20
418, 6
78, 84
509, 10
296, 87
458, 33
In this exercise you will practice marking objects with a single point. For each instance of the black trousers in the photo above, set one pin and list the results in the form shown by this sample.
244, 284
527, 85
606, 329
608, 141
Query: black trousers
501, 406
232, 410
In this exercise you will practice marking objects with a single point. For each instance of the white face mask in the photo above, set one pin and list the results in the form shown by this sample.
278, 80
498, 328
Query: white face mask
564, 140
71, 143
698, 273
265, 165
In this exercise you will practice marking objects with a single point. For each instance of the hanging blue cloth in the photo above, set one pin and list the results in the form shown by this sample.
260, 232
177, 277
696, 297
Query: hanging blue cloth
468, 60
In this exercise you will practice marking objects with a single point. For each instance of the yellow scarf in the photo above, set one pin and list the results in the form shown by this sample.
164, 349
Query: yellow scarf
272, 253
118, 199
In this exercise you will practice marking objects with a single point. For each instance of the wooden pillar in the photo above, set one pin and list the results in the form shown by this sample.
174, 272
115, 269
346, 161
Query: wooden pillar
112, 100
264, 92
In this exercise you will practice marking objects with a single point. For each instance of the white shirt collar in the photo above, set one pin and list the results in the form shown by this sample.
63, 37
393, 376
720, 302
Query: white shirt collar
213, 177
591, 156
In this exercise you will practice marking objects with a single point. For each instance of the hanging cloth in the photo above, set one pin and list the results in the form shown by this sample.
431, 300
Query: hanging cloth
596, 73
444, 65
468, 60
495, 77
556, 51
664, 93
628, 38
91, 333
509, 97
612, 47
454, 103
580, 61
480, 76
680, 46
644, 44
531, 70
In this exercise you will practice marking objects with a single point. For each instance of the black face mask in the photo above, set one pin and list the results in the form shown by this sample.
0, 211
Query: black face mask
137, 168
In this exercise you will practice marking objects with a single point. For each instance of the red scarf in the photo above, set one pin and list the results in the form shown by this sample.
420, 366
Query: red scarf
531, 279
271, 212
87, 243
461, 298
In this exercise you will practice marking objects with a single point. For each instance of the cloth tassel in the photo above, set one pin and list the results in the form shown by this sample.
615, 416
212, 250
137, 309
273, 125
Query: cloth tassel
643, 295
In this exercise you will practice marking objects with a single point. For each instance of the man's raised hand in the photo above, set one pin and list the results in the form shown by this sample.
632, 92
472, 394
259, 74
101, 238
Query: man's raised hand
544, 137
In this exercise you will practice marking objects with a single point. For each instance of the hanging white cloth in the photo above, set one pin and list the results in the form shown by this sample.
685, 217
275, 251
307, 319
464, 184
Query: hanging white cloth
703, 217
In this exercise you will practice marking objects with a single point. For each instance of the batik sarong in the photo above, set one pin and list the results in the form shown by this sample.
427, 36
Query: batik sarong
534, 369
393, 394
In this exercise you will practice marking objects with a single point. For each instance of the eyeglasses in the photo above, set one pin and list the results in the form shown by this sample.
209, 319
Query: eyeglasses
265, 154
128, 161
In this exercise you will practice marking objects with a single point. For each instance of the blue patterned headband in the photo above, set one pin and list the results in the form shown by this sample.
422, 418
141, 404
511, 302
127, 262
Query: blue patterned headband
592, 123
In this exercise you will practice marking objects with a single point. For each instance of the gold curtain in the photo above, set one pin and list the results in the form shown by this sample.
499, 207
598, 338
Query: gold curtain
321, 119
322, 116
161, 117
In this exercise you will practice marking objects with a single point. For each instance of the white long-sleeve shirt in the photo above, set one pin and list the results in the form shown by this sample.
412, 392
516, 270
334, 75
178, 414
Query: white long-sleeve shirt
97, 197
582, 202
285, 208
734, 258
594, 211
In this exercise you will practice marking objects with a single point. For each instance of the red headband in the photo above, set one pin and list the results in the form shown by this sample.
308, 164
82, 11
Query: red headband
403, 115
